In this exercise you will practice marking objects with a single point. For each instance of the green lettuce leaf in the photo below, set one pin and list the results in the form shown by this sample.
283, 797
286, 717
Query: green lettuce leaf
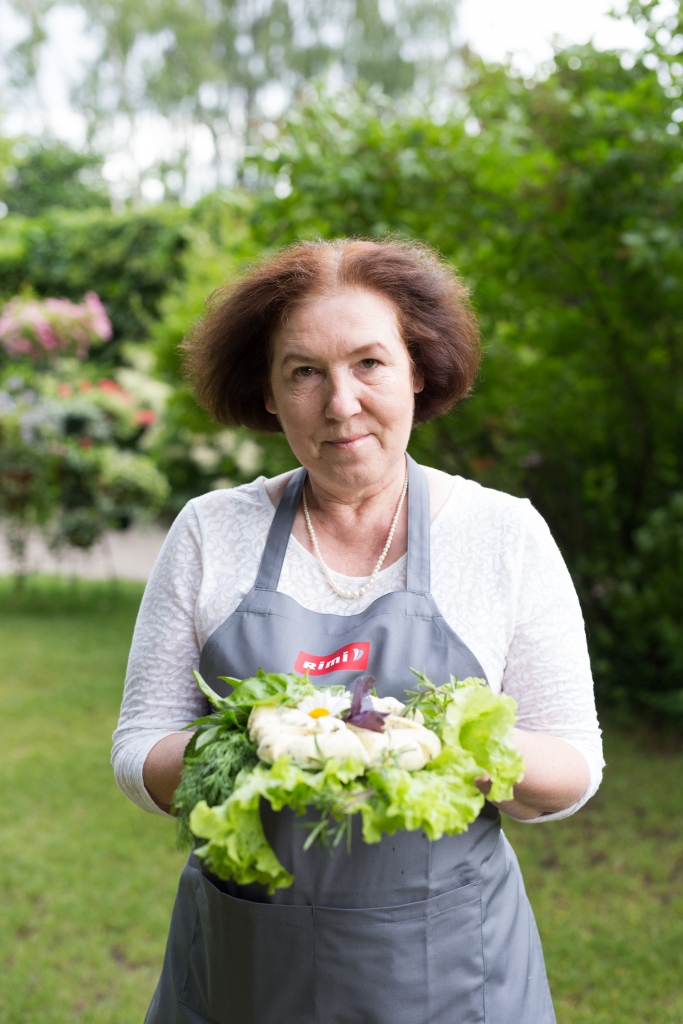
442, 799
270, 688
237, 846
481, 722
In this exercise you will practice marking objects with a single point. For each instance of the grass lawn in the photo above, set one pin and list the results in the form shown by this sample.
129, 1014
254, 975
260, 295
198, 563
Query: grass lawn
87, 881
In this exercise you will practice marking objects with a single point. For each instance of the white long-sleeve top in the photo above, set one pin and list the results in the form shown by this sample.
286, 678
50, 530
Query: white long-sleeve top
498, 579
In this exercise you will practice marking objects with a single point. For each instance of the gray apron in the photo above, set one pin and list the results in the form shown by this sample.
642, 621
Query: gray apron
406, 931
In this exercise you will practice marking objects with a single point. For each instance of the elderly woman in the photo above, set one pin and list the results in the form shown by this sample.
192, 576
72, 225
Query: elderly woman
344, 347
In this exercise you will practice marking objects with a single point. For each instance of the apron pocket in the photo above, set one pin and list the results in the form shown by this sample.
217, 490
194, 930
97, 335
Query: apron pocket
420, 963
250, 963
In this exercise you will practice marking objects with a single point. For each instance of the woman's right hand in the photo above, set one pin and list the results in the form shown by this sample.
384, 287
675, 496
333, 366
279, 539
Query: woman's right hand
162, 768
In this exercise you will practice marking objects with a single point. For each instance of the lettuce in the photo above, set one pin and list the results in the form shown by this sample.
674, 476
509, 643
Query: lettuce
481, 722
474, 724
237, 846
442, 799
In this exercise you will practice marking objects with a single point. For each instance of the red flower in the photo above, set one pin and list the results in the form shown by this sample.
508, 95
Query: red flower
110, 386
145, 417
65, 391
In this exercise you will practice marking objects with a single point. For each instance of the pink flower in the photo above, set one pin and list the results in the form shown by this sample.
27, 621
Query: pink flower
101, 324
62, 307
65, 391
34, 327
8, 322
45, 335
17, 346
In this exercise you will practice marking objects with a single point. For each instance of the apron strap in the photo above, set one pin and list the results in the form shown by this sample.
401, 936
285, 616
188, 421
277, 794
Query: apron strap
418, 574
418, 570
268, 575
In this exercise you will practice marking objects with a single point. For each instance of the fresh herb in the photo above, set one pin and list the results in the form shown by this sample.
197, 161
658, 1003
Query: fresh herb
209, 774
431, 700
361, 713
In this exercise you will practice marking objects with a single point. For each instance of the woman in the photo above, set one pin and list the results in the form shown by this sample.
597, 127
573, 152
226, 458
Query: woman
345, 346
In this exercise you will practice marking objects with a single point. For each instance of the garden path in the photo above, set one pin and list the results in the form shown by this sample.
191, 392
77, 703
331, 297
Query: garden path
127, 554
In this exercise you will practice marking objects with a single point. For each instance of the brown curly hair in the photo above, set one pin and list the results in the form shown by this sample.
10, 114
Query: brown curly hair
228, 351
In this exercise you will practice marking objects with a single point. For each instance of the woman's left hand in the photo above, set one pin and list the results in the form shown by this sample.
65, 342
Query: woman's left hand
556, 775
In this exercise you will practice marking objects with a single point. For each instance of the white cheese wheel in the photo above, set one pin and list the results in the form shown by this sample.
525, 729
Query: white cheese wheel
407, 749
427, 739
311, 749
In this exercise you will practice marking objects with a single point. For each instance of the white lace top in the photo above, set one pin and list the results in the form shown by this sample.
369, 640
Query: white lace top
497, 576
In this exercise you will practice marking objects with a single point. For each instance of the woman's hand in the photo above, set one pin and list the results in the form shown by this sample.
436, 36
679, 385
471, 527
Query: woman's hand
556, 775
162, 768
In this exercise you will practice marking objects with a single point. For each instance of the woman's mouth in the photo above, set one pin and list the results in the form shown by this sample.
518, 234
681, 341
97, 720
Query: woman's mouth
348, 443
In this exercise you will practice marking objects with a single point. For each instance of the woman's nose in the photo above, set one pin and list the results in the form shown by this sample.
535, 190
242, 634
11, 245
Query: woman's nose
343, 401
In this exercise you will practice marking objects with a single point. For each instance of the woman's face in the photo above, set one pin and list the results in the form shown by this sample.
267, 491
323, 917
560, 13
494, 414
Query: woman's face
342, 386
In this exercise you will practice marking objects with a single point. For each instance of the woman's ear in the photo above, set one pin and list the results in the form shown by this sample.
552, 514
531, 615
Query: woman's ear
269, 402
418, 382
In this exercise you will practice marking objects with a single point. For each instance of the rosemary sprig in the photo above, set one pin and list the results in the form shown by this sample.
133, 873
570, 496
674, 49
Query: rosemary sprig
430, 700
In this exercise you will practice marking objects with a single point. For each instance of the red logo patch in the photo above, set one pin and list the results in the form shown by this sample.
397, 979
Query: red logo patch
353, 657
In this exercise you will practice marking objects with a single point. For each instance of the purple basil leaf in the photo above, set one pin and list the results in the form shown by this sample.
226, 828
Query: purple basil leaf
373, 720
361, 713
361, 691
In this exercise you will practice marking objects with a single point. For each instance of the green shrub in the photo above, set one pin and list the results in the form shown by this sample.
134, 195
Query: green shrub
130, 259
70, 459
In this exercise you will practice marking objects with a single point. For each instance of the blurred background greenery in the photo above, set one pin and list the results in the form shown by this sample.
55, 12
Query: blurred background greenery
558, 195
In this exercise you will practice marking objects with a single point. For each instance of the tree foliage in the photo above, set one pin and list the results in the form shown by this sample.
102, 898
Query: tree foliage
561, 201
222, 64
48, 175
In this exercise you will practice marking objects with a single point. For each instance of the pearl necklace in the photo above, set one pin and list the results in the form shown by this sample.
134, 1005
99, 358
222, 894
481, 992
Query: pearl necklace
352, 595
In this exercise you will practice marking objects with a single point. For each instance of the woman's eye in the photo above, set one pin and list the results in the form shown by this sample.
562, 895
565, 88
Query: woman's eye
369, 364
304, 371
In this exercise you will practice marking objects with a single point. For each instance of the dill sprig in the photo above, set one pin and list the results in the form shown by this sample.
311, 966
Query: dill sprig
210, 772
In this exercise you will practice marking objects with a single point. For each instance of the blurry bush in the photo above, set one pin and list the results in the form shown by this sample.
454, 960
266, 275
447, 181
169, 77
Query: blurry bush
71, 442
42, 330
41, 175
130, 259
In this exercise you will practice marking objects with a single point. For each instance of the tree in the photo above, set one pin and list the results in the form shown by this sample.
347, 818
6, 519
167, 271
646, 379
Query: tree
51, 175
561, 201
223, 65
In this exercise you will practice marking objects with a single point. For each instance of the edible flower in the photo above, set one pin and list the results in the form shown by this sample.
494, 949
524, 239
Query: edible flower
323, 706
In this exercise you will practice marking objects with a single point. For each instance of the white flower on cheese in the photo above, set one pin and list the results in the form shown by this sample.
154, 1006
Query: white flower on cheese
318, 712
